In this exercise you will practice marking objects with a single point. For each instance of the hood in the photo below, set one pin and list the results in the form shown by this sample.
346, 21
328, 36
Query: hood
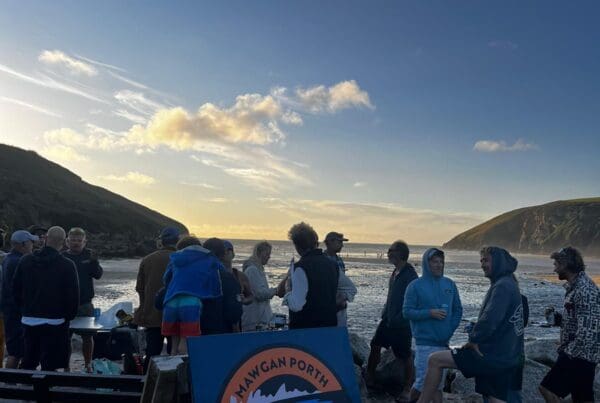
46, 254
252, 261
502, 263
190, 254
425, 263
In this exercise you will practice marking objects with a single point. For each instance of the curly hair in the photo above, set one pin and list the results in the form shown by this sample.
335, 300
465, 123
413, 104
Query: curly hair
572, 257
303, 236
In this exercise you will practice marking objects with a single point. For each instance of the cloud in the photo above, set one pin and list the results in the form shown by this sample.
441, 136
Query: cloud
132, 117
128, 81
74, 66
138, 102
131, 177
47, 82
200, 185
376, 222
359, 184
97, 63
63, 153
343, 95
491, 146
30, 106
217, 200
503, 44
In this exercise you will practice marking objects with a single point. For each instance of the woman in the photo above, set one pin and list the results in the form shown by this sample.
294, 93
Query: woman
259, 311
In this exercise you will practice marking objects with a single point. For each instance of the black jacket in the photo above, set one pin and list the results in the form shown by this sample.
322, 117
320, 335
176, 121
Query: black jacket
219, 315
45, 285
87, 270
392, 312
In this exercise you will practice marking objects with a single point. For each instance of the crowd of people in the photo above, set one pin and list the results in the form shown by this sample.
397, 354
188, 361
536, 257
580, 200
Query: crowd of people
190, 288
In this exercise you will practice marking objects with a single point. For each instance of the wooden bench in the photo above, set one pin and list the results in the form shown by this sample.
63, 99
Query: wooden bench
44, 386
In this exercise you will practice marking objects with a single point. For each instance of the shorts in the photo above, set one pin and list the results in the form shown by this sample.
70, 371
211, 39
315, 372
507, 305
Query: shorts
422, 354
489, 379
181, 316
13, 335
400, 340
86, 309
571, 376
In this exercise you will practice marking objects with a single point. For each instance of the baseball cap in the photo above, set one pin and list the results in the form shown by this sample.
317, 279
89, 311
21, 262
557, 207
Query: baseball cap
335, 236
169, 233
21, 236
228, 245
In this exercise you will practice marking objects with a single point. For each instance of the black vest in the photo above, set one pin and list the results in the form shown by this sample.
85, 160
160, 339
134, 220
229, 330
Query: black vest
320, 308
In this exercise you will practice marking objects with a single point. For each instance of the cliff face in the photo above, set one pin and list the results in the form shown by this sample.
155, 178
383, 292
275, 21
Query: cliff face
539, 229
34, 190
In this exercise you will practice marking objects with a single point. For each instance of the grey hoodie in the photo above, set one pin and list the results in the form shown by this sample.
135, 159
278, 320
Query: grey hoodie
499, 328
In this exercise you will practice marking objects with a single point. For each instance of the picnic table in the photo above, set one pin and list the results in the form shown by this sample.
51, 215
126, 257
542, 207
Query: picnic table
87, 325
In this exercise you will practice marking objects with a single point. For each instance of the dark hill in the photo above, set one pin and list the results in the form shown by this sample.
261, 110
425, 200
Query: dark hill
539, 229
34, 190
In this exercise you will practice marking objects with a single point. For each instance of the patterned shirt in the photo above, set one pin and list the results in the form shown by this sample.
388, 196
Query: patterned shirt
580, 331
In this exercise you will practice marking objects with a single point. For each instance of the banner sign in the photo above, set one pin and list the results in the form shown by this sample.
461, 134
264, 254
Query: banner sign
305, 365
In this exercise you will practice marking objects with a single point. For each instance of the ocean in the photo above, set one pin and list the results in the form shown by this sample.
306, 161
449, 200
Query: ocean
370, 273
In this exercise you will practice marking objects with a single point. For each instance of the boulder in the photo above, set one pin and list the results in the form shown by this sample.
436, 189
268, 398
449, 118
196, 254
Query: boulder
542, 351
390, 372
360, 349
360, 381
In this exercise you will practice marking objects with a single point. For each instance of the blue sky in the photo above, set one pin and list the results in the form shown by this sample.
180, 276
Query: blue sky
382, 120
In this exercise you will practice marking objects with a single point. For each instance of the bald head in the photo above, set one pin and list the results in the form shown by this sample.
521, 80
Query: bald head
55, 237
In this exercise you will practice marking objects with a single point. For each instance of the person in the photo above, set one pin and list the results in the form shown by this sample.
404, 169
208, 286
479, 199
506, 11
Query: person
495, 347
258, 312
21, 244
46, 289
222, 314
432, 305
579, 350
149, 282
39, 231
334, 242
247, 297
191, 277
88, 269
312, 282
394, 329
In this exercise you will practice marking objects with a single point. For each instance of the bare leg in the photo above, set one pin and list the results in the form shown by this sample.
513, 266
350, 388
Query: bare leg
87, 349
495, 400
438, 397
182, 345
435, 368
175, 346
409, 374
548, 396
414, 394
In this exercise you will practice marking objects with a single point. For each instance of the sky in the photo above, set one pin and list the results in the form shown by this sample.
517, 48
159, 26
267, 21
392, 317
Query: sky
381, 120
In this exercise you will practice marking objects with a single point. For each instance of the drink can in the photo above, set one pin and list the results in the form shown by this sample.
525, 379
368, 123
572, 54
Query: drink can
97, 312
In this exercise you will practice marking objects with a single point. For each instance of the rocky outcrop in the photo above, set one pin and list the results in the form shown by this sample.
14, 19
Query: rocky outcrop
542, 351
539, 229
360, 349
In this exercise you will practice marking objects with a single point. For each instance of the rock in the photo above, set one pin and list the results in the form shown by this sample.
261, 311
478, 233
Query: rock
533, 373
390, 372
360, 381
360, 349
542, 351
597, 383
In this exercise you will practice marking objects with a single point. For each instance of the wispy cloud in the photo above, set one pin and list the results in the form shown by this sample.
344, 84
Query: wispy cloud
492, 146
74, 66
503, 44
101, 64
359, 184
138, 102
128, 80
376, 222
200, 185
30, 106
131, 177
47, 82
132, 117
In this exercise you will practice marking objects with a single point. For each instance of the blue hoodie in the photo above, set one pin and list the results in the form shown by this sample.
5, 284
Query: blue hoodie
193, 271
499, 329
430, 292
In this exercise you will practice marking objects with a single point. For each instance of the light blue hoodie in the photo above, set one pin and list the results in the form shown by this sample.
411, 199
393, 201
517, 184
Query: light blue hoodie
430, 292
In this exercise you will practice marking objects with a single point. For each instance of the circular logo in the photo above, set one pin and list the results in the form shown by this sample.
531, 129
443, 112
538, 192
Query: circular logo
283, 374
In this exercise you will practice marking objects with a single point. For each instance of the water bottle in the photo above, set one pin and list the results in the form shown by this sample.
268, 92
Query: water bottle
444, 308
97, 312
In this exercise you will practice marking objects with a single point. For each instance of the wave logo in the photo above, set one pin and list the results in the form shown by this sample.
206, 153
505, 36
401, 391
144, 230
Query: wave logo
283, 374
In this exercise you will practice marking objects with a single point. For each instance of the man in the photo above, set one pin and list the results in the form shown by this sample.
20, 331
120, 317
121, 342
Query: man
579, 349
394, 329
46, 289
21, 244
432, 304
149, 282
40, 232
346, 291
247, 297
313, 282
495, 347
88, 269
222, 314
